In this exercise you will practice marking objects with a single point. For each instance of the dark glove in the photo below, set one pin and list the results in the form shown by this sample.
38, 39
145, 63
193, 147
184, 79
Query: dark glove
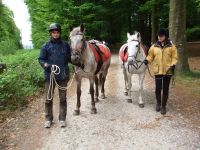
172, 69
145, 62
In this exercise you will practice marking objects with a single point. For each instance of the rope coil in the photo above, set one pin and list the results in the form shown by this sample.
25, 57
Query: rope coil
55, 70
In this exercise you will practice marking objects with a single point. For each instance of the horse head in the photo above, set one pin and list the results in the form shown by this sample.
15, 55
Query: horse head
77, 43
133, 43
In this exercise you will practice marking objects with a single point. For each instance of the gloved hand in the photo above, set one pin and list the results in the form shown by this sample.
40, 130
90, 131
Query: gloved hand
145, 62
172, 69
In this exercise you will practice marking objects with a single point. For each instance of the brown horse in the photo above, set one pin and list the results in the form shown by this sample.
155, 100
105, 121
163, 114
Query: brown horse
90, 60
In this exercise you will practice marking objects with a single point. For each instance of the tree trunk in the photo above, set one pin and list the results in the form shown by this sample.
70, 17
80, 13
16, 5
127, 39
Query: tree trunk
177, 28
154, 24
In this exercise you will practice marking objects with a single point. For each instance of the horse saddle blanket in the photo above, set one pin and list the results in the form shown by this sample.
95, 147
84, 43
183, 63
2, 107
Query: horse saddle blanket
123, 52
101, 52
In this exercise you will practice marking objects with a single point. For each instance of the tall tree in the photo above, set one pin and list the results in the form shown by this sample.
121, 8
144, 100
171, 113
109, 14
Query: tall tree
154, 23
177, 30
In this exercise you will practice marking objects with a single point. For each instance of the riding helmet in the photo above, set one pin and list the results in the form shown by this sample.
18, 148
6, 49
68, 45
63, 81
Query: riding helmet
163, 31
55, 26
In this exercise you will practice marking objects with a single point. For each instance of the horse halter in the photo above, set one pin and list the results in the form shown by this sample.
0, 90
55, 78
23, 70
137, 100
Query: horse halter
135, 56
78, 52
135, 63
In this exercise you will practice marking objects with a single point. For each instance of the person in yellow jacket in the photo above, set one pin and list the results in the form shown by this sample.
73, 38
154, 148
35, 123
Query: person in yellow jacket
163, 54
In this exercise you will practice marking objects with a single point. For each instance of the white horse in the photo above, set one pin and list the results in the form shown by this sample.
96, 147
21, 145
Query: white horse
132, 54
91, 59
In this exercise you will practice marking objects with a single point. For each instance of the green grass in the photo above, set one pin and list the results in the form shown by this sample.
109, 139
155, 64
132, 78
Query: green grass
190, 79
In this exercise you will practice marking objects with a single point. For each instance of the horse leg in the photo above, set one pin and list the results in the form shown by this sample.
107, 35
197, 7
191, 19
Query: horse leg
96, 89
141, 79
93, 109
78, 105
129, 88
102, 80
125, 81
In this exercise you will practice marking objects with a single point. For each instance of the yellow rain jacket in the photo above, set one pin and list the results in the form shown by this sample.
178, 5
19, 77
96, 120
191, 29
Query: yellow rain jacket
162, 58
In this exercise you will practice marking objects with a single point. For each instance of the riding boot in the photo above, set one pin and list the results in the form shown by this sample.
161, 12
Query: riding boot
158, 99
164, 102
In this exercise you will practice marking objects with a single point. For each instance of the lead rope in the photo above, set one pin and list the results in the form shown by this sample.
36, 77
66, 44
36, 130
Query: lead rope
55, 70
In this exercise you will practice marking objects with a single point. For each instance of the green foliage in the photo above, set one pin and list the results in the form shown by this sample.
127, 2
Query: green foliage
193, 34
9, 33
108, 20
22, 78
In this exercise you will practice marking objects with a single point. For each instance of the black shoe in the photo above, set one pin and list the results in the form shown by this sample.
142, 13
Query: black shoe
163, 110
157, 108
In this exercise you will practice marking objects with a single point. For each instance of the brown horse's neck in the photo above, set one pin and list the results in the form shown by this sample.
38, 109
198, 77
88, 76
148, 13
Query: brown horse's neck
88, 56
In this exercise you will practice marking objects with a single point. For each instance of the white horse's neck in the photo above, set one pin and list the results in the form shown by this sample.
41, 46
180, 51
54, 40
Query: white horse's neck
141, 54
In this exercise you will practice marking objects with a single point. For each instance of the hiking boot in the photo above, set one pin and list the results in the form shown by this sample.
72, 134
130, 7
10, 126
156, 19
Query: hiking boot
47, 124
157, 107
158, 99
62, 124
163, 110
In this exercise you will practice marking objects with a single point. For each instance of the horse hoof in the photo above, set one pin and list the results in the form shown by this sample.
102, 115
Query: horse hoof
129, 100
126, 93
76, 112
103, 96
141, 105
96, 100
93, 111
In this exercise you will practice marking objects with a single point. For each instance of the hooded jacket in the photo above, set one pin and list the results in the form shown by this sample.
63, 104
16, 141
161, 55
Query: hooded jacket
163, 57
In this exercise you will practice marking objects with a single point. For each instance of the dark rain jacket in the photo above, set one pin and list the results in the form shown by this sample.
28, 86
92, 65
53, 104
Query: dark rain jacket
56, 53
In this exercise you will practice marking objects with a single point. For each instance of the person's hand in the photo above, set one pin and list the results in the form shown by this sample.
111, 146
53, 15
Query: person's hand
172, 69
46, 65
145, 62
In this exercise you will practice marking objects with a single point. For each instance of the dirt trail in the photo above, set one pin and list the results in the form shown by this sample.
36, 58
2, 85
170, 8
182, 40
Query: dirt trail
117, 125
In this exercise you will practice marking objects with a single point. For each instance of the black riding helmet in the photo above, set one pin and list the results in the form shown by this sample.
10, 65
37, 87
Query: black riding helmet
163, 31
55, 26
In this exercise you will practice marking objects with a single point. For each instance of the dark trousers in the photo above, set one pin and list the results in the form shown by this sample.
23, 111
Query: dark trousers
49, 103
162, 84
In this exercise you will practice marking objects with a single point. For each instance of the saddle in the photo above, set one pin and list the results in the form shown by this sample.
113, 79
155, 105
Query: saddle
123, 53
101, 54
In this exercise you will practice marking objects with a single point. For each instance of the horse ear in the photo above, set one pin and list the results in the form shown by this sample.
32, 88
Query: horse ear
138, 35
128, 35
82, 27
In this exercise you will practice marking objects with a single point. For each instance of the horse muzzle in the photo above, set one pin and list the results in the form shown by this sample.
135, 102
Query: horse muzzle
75, 59
130, 62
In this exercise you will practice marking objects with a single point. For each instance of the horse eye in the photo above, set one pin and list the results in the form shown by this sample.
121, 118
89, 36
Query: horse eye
82, 39
136, 45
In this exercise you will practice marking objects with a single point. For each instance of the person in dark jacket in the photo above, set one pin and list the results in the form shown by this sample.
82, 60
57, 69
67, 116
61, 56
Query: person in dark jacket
55, 52
164, 55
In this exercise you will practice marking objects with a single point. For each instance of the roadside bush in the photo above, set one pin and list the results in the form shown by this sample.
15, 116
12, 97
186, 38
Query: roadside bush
23, 78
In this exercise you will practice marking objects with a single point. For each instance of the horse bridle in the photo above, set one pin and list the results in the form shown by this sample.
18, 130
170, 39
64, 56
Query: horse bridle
135, 64
79, 52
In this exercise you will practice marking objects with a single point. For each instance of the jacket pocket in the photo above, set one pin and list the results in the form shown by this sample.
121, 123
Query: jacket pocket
156, 68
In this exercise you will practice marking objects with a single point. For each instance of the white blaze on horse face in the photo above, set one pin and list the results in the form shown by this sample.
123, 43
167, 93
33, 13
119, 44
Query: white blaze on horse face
132, 50
76, 42
133, 45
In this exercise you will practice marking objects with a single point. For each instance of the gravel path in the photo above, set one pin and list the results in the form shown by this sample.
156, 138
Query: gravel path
118, 125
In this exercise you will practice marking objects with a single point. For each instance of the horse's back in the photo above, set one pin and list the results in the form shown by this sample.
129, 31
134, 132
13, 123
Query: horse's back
123, 54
